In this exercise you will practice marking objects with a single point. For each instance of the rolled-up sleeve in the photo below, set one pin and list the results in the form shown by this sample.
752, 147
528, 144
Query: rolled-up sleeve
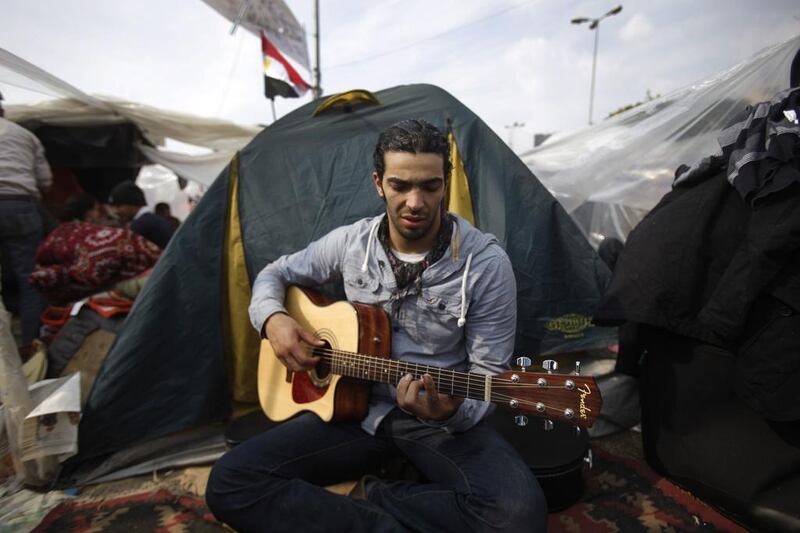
319, 262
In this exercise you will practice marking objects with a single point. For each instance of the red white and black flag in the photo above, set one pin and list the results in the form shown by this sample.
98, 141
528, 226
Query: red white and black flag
280, 77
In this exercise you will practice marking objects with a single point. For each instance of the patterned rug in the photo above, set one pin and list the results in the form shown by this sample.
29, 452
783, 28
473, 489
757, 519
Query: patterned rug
622, 494
160, 511
625, 495
167, 503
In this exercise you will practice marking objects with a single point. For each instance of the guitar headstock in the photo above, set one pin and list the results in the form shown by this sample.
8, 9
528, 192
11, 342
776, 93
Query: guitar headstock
569, 398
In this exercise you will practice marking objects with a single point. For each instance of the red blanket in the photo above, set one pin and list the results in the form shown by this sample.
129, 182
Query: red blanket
78, 259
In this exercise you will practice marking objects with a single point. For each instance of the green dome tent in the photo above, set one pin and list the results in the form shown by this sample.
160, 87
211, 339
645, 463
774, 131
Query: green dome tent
187, 351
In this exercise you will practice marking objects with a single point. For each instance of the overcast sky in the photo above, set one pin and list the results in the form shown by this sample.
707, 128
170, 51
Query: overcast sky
508, 60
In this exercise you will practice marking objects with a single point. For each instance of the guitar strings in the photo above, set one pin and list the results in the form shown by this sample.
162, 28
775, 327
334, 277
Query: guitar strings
462, 385
464, 377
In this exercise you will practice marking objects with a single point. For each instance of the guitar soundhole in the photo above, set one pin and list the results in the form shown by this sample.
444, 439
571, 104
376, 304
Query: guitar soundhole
321, 374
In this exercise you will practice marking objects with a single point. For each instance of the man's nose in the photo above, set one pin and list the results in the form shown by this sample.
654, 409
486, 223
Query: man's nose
414, 199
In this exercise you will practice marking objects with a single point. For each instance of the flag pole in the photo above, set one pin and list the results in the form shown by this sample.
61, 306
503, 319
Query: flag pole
239, 16
317, 90
272, 103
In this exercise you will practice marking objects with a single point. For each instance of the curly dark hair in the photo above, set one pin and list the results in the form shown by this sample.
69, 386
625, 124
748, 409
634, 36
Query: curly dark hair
415, 136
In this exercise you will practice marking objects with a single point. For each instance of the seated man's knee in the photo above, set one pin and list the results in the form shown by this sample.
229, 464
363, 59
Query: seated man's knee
530, 510
521, 508
217, 490
229, 485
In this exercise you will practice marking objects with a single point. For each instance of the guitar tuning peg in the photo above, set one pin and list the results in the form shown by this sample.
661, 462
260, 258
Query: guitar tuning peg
577, 431
589, 459
550, 365
548, 425
523, 362
521, 420
577, 368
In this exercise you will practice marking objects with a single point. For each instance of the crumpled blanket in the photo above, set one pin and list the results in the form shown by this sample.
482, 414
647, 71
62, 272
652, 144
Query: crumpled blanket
78, 259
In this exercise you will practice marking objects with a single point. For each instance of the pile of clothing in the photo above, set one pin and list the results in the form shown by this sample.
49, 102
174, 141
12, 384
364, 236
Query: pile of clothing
78, 259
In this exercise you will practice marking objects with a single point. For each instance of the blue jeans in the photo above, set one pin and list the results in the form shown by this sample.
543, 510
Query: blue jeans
475, 480
20, 235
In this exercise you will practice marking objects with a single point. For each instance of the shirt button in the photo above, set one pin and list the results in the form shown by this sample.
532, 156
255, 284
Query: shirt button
785, 310
441, 306
359, 282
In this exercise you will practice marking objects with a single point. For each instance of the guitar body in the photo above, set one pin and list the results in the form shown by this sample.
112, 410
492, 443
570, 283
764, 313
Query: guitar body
343, 326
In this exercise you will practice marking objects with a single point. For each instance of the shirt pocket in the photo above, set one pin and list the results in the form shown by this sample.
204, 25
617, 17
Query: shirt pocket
437, 318
361, 287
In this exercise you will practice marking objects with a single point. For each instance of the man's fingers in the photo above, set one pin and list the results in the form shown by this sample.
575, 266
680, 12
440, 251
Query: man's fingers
407, 391
302, 356
402, 386
310, 338
430, 385
298, 361
431, 394
414, 386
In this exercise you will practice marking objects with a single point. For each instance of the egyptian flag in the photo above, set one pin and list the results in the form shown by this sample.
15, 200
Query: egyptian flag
280, 77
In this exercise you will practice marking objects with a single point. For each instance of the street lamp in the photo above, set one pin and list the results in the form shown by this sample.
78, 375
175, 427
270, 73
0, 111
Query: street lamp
594, 24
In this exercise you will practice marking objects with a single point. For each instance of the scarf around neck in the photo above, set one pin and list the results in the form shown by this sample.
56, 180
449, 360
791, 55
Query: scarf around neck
405, 273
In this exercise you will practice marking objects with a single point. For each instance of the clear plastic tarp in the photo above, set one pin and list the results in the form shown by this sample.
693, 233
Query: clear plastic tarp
610, 175
161, 184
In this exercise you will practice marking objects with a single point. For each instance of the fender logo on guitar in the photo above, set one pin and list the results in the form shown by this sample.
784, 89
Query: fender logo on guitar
584, 391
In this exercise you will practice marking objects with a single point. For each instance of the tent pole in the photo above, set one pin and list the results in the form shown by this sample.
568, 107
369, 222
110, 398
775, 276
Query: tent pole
316, 90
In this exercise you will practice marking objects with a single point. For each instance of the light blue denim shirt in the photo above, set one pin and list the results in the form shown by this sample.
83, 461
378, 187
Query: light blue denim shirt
464, 318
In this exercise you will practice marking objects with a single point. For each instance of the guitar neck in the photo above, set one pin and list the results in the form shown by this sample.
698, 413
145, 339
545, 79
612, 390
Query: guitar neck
371, 368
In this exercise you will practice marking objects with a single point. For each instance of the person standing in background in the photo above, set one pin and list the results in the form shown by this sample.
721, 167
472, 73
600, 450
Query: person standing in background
24, 176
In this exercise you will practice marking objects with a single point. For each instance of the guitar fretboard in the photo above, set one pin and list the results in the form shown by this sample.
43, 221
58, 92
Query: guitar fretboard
371, 368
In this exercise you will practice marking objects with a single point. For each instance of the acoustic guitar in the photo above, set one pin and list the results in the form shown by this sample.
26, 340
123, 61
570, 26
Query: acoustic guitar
357, 341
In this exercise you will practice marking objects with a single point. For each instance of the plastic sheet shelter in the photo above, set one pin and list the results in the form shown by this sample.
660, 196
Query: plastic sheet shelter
185, 349
214, 141
610, 175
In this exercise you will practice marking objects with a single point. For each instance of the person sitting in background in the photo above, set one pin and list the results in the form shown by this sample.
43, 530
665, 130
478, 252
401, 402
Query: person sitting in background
82, 207
80, 258
127, 202
163, 210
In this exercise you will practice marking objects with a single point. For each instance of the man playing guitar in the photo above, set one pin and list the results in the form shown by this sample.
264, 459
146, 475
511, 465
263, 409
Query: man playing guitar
450, 293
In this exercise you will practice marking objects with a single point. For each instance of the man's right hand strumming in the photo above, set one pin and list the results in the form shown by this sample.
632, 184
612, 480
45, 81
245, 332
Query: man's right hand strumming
291, 342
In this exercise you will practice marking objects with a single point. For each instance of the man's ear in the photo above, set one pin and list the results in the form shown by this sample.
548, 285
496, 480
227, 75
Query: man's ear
378, 185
